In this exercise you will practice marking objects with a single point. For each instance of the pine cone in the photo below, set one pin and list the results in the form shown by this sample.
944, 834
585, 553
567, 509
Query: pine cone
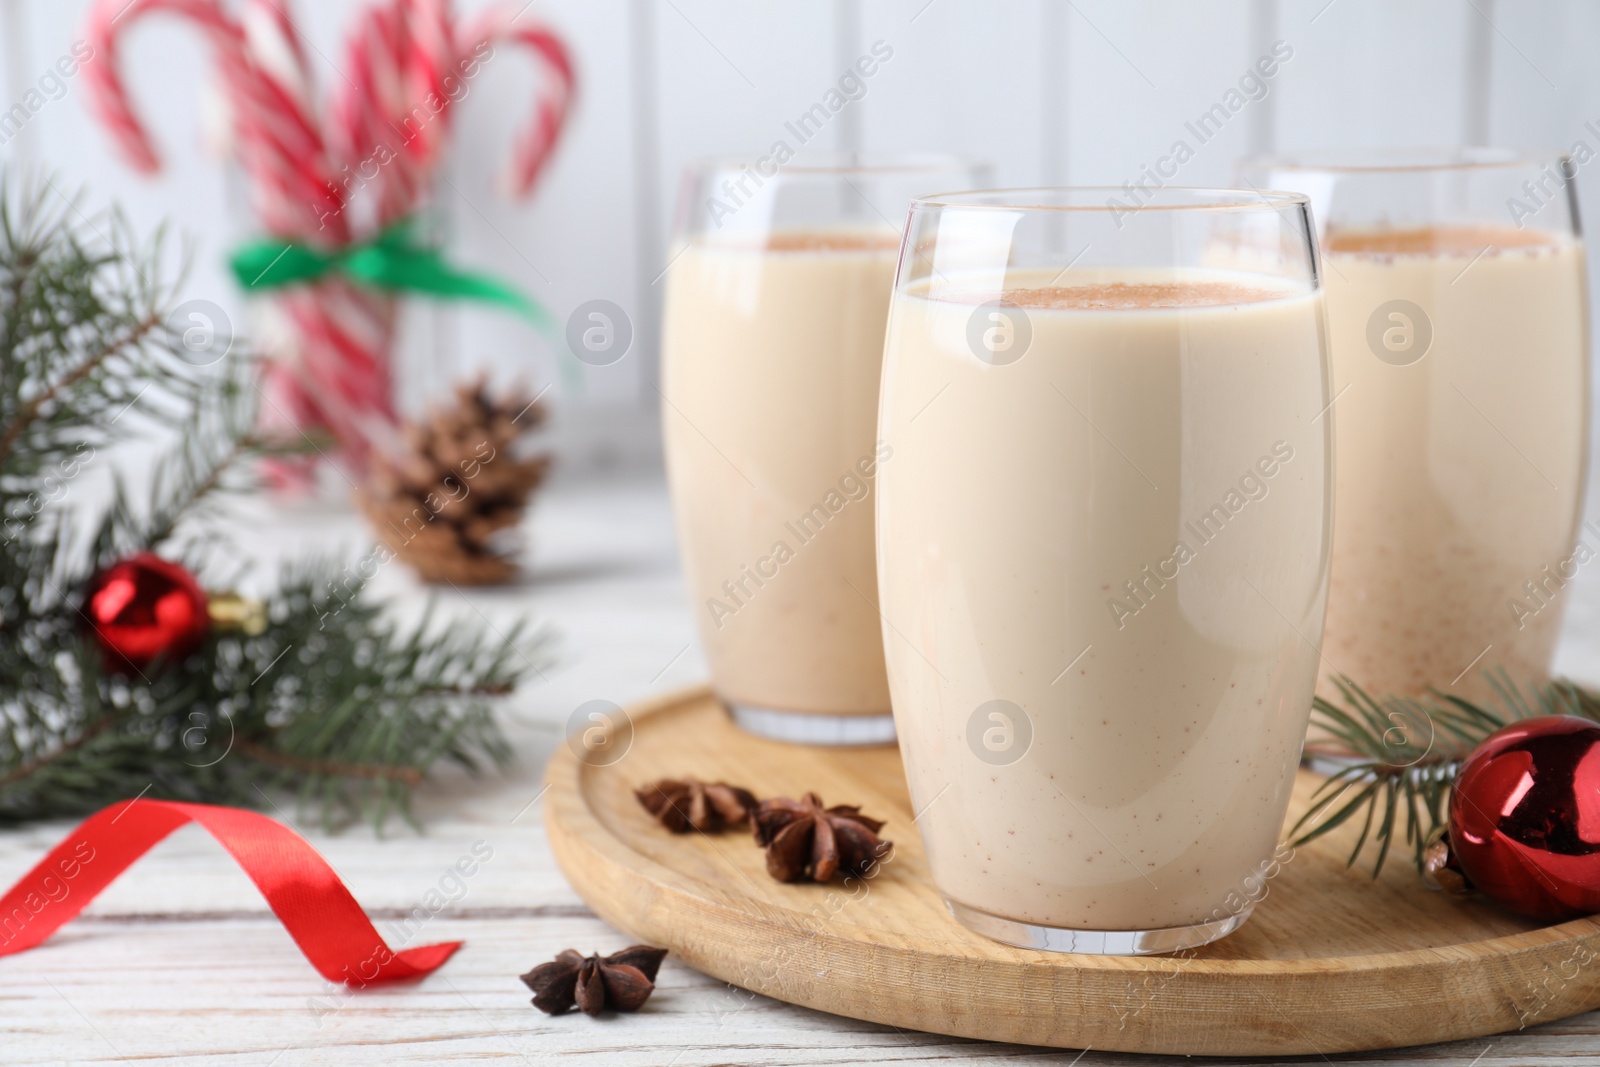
445, 503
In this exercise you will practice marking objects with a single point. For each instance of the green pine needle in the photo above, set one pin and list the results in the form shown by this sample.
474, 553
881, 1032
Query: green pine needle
1407, 752
333, 703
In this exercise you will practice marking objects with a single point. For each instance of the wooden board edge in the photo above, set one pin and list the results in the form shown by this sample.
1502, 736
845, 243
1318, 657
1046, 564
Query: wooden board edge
650, 901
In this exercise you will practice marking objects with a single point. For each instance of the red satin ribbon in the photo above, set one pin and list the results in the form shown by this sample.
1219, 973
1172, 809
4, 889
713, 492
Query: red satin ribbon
303, 891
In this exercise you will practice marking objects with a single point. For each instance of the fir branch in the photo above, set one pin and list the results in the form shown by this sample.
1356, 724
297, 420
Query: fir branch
333, 702
486, 689
81, 333
35, 405
330, 768
66, 749
1406, 755
166, 514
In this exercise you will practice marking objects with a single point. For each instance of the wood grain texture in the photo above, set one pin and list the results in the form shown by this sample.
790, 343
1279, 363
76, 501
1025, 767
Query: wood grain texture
1332, 960
179, 963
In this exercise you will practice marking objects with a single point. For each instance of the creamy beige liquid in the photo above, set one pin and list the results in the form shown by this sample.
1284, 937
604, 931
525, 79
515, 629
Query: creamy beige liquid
1125, 533
1459, 475
770, 363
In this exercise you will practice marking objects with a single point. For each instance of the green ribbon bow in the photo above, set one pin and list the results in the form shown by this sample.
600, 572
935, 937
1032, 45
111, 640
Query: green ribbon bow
394, 259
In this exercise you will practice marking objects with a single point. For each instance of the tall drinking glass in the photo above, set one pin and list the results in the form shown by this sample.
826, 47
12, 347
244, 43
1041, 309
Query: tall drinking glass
1457, 310
1103, 552
776, 298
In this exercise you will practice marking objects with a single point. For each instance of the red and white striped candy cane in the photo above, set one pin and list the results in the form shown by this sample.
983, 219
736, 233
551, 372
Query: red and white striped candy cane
281, 135
405, 60
393, 112
389, 130
279, 142
108, 96
336, 375
500, 23
431, 75
372, 114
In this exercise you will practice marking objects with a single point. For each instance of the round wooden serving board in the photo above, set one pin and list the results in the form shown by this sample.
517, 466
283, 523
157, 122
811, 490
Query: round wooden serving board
1331, 961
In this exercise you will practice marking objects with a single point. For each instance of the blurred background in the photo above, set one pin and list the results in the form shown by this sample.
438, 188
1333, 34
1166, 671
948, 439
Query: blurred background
1076, 91
1079, 91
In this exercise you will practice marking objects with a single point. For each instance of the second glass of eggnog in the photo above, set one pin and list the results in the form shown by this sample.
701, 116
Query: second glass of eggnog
1457, 314
1103, 549
776, 298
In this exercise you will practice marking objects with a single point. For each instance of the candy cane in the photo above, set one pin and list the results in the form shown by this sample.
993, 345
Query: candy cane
336, 374
282, 144
370, 111
342, 364
535, 146
279, 142
430, 70
389, 128
108, 96
279, 139
402, 59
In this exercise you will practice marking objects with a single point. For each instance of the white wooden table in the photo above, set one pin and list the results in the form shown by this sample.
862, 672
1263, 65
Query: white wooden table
181, 962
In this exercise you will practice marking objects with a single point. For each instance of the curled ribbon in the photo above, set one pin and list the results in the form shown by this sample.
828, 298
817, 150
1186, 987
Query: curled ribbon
303, 891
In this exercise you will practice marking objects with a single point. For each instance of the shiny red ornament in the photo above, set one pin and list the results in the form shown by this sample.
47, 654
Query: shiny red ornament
1525, 817
143, 609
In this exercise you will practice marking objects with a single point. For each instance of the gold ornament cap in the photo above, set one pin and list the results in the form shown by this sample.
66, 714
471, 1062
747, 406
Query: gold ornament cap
1439, 868
230, 611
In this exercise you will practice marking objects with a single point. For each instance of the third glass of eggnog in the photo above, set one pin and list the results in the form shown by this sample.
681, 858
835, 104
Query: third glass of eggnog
1457, 314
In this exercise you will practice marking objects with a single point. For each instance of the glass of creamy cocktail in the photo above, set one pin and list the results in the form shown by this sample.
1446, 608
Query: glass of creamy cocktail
1103, 548
1457, 309
776, 296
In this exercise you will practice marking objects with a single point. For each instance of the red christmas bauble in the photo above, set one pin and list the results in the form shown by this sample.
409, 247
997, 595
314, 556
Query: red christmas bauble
143, 609
1525, 817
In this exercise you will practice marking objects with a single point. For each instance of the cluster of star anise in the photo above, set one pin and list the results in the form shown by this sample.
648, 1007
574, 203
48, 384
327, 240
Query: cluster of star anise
805, 841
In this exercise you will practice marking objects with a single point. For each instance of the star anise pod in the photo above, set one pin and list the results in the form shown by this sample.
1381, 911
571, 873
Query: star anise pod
622, 981
689, 804
807, 842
